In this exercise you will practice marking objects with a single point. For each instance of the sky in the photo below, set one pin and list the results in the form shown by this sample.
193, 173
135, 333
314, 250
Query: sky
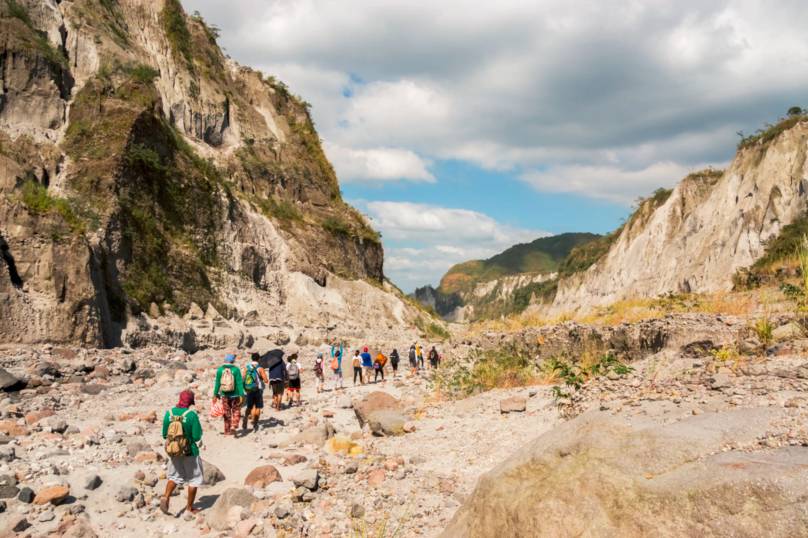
461, 127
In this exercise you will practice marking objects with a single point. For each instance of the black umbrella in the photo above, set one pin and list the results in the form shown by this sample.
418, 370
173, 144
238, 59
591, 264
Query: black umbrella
270, 357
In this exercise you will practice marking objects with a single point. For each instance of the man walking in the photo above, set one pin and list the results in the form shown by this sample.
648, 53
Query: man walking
229, 387
255, 379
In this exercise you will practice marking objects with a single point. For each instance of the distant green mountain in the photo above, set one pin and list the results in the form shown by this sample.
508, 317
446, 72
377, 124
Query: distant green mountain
544, 255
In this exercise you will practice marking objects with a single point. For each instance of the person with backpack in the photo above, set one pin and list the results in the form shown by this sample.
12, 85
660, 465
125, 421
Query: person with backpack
336, 365
182, 431
255, 379
433, 358
229, 386
413, 360
277, 379
394, 361
378, 367
419, 353
356, 362
367, 363
293, 375
319, 373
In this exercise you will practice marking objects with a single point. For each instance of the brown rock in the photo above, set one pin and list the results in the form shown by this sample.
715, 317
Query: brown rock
327, 413
376, 477
35, 416
294, 459
148, 456
375, 402
150, 417
53, 495
262, 476
514, 404
12, 429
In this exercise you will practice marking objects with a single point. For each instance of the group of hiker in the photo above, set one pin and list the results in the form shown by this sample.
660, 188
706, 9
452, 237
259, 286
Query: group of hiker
364, 364
236, 386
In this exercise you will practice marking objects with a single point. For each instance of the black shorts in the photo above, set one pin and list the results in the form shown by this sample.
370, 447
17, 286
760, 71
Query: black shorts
255, 398
277, 387
294, 384
394, 364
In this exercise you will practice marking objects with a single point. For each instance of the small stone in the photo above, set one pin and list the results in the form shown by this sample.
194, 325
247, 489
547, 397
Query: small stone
307, 478
53, 495
514, 404
351, 468
93, 482
409, 426
46, 516
126, 494
283, 510
7, 453
26, 495
357, 511
262, 476
376, 477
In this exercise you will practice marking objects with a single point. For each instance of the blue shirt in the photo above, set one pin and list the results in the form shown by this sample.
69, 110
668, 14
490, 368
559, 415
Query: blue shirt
367, 360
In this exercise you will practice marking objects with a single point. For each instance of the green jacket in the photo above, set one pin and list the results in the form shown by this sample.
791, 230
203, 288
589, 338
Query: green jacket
236, 375
190, 427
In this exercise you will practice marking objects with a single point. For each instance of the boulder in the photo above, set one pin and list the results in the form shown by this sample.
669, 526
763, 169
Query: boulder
53, 494
374, 402
262, 476
314, 435
308, 478
387, 422
217, 517
789, 331
514, 404
9, 382
598, 475
211, 474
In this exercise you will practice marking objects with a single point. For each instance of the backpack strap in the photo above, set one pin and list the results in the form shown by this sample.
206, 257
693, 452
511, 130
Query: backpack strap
182, 416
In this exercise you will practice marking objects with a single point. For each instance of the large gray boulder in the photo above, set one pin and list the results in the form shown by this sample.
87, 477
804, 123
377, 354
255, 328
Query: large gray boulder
602, 476
219, 516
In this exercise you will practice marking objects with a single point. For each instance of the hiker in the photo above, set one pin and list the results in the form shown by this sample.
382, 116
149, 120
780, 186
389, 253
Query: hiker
229, 386
293, 375
318, 372
413, 360
419, 353
394, 361
336, 365
182, 431
433, 358
255, 379
356, 362
378, 367
277, 378
367, 363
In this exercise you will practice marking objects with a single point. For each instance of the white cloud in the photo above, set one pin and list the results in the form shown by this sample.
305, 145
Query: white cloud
377, 164
608, 182
441, 237
514, 85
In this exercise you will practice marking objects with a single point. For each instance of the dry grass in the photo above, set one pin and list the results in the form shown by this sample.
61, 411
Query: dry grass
744, 303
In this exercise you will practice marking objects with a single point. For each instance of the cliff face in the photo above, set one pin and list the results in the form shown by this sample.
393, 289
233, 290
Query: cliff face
710, 226
144, 175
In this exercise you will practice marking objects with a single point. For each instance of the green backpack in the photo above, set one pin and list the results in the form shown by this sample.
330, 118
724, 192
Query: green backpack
250, 379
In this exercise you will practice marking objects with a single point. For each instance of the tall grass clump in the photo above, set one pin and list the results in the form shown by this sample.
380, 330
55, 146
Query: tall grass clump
487, 370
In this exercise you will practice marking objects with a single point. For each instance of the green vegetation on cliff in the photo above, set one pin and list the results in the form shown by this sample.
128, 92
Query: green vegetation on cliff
544, 255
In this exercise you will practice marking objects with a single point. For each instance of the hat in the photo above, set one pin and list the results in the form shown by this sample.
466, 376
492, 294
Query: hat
229, 358
365, 349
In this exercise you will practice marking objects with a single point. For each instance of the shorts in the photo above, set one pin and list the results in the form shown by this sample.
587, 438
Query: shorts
277, 387
185, 470
294, 385
255, 399
394, 364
